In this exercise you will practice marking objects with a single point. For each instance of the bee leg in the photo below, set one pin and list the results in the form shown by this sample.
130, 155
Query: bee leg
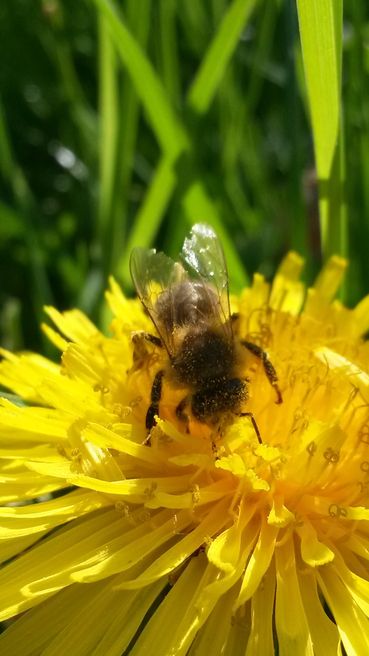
154, 405
270, 372
182, 416
253, 421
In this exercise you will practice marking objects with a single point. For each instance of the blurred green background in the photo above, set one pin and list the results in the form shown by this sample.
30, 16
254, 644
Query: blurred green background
122, 124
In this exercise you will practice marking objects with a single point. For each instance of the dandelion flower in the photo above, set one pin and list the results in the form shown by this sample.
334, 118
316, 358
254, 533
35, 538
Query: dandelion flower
192, 545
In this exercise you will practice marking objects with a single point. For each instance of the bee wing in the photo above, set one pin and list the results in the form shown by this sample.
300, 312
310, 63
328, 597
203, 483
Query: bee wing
204, 255
152, 273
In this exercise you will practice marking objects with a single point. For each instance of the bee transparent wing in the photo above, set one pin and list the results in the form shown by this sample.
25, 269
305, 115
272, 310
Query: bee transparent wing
204, 255
152, 274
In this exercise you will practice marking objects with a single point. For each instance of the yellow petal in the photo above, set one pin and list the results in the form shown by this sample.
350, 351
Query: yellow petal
139, 543
357, 585
129, 612
352, 623
224, 550
212, 637
359, 544
313, 552
212, 592
21, 521
139, 490
324, 633
288, 292
330, 277
91, 621
54, 337
32, 632
47, 567
173, 626
35, 424
10, 548
292, 627
279, 515
211, 524
239, 631
361, 317
258, 564
109, 439
261, 640
21, 486
24, 373
73, 324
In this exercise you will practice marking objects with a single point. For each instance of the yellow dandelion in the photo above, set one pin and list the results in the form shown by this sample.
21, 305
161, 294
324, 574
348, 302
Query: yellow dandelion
194, 544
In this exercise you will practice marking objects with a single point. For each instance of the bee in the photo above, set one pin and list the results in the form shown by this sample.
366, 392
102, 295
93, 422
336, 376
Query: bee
188, 304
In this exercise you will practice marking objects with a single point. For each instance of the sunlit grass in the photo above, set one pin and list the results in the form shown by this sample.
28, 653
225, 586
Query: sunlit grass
124, 122
321, 40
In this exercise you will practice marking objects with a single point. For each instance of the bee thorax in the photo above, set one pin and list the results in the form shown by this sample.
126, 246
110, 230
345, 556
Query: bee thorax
225, 395
186, 303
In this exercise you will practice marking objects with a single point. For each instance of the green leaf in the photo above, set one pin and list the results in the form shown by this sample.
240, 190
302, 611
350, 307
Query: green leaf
148, 85
149, 217
139, 17
320, 24
170, 132
218, 55
108, 101
321, 40
168, 49
11, 223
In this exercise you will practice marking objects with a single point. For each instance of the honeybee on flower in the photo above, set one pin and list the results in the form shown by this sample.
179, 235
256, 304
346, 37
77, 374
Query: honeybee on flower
259, 548
196, 330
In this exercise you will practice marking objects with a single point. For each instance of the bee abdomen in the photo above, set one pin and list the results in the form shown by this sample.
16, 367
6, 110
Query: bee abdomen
204, 356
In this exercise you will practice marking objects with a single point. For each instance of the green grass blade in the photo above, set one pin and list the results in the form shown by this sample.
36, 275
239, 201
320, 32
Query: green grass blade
138, 14
108, 113
148, 219
320, 24
262, 52
26, 208
6, 158
218, 55
148, 85
171, 134
168, 49
57, 47
321, 41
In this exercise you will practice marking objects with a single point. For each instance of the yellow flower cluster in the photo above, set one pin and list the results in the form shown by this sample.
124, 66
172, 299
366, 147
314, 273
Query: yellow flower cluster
198, 543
